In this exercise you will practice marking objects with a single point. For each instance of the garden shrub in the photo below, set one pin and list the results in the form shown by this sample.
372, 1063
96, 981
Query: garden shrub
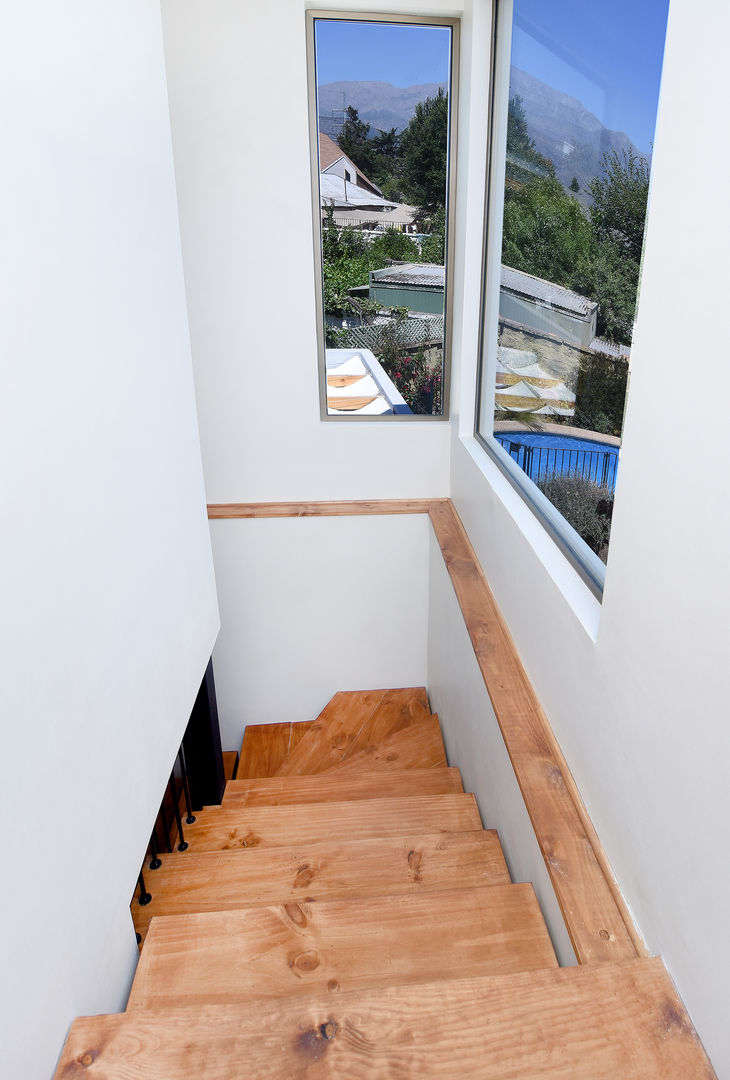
585, 505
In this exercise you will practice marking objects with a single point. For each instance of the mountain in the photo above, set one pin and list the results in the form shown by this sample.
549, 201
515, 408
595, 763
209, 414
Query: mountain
563, 129
378, 103
566, 132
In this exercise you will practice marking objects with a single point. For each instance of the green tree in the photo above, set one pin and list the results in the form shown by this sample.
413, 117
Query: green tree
346, 260
611, 278
618, 211
424, 145
433, 247
574, 185
353, 140
394, 245
385, 169
546, 232
524, 161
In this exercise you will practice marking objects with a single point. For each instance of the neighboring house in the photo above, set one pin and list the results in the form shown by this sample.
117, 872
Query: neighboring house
355, 199
334, 162
538, 305
343, 194
416, 286
548, 308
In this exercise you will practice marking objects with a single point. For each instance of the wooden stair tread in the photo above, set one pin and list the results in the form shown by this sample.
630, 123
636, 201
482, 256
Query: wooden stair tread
340, 945
328, 787
338, 725
266, 746
331, 732
413, 862
597, 1022
418, 746
263, 749
230, 761
398, 709
298, 730
223, 829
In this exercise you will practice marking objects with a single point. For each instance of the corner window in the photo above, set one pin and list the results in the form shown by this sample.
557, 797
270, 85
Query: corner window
574, 110
381, 110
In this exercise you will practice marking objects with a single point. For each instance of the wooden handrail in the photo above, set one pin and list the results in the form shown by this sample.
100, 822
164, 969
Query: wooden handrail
339, 508
596, 916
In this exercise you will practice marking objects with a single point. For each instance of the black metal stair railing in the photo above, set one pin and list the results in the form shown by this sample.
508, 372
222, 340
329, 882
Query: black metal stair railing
202, 737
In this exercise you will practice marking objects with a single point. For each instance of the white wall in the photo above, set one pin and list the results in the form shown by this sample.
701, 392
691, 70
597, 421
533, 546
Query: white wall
636, 689
238, 100
310, 606
474, 743
108, 604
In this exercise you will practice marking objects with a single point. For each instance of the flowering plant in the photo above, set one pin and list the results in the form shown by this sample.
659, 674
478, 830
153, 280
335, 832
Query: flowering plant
419, 381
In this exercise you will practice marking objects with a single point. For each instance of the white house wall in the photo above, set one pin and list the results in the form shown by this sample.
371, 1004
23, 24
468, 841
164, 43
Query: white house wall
636, 688
310, 606
238, 99
108, 602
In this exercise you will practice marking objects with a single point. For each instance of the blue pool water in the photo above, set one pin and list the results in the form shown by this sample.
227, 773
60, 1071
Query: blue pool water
541, 455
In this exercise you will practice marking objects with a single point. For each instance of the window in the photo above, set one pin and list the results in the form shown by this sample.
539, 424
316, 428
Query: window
382, 95
574, 110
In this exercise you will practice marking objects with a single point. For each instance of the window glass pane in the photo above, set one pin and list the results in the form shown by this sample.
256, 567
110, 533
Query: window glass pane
575, 109
383, 112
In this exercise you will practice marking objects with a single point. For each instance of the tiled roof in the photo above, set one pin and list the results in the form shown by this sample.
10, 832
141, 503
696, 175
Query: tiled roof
546, 292
610, 348
341, 193
330, 152
430, 274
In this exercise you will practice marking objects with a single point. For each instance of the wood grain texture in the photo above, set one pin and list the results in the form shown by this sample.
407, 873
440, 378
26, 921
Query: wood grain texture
263, 749
604, 1022
298, 730
346, 380
331, 787
340, 945
331, 733
596, 917
332, 508
349, 722
220, 829
418, 746
396, 710
414, 862
349, 404
230, 761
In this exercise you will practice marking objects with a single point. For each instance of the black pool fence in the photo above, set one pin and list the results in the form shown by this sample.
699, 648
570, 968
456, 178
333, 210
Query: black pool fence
541, 462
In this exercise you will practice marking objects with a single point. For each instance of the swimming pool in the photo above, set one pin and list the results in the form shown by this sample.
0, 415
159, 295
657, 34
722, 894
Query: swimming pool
541, 455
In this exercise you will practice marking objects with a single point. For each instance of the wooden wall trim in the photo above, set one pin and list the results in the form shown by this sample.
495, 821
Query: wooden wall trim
321, 509
596, 916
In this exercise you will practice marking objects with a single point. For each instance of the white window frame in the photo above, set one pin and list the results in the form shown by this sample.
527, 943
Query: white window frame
588, 565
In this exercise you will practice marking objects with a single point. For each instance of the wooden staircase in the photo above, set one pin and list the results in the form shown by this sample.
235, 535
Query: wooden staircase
343, 914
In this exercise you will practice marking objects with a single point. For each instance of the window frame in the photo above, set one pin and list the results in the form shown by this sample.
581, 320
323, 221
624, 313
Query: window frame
312, 15
585, 562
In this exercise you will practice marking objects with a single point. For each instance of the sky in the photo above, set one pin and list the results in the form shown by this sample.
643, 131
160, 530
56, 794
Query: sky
608, 55
380, 52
